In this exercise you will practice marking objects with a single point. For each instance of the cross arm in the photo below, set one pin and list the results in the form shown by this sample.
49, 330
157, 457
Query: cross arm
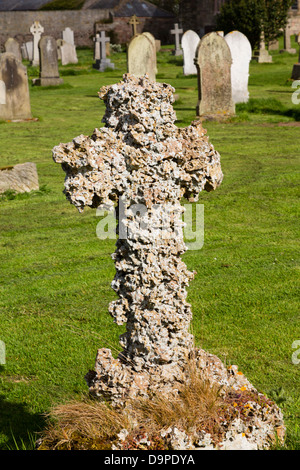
199, 161
90, 165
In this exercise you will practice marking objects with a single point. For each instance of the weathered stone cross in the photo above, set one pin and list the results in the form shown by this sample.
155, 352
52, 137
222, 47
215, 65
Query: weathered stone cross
36, 30
141, 161
176, 31
102, 39
100, 52
134, 22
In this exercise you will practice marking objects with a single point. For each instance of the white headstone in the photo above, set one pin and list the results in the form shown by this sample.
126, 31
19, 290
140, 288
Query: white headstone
241, 53
24, 52
36, 30
68, 36
189, 44
29, 50
68, 54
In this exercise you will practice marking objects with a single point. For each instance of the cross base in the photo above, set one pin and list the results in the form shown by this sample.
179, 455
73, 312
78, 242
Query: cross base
296, 72
257, 423
103, 64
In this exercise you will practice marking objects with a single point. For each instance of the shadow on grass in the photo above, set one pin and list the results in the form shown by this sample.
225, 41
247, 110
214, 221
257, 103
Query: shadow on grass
18, 425
268, 106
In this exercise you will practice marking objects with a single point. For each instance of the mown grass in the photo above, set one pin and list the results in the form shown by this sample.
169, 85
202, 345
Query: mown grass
55, 273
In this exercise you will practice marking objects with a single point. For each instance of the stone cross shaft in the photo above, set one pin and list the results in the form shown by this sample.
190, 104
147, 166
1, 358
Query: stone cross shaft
134, 22
36, 30
141, 159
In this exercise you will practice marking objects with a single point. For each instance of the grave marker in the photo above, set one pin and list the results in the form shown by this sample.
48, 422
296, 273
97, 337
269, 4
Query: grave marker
102, 62
262, 56
189, 43
13, 47
14, 90
141, 56
142, 161
241, 53
213, 61
49, 74
36, 30
176, 32
134, 22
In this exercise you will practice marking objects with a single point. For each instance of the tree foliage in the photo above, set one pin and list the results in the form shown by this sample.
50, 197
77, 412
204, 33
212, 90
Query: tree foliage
169, 5
252, 16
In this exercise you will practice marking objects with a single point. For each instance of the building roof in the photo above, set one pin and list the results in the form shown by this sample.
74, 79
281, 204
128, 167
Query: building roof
120, 8
128, 8
23, 5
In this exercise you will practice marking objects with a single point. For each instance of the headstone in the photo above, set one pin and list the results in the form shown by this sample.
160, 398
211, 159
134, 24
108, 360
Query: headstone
189, 43
49, 74
59, 43
287, 41
262, 56
274, 45
68, 54
68, 36
21, 178
13, 47
142, 161
134, 22
241, 53
153, 41
176, 32
24, 52
296, 69
158, 44
213, 61
36, 30
102, 62
29, 49
141, 57
67, 48
14, 90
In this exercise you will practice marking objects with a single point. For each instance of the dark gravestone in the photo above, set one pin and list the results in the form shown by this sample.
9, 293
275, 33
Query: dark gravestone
213, 61
14, 90
49, 74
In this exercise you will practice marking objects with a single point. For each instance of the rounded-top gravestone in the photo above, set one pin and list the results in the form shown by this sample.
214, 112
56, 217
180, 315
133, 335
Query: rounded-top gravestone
241, 53
213, 61
141, 57
189, 44
14, 91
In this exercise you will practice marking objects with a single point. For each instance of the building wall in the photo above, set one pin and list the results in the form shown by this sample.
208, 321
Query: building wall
84, 23
199, 15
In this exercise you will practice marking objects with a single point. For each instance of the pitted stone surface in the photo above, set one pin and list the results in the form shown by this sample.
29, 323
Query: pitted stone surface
142, 158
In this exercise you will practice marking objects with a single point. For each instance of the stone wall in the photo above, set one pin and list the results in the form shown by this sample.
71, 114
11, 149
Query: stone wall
17, 24
84, 23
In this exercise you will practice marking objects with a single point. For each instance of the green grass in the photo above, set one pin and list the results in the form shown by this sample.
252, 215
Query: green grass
55, 273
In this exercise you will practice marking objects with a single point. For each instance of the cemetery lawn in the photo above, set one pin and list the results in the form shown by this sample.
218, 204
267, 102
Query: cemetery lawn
55, 273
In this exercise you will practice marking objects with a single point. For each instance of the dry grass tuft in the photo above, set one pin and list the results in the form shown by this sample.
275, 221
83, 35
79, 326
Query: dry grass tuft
83, 425
92, 424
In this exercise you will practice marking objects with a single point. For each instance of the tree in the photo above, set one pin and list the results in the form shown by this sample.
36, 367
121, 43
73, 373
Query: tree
169, 5
252, 16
